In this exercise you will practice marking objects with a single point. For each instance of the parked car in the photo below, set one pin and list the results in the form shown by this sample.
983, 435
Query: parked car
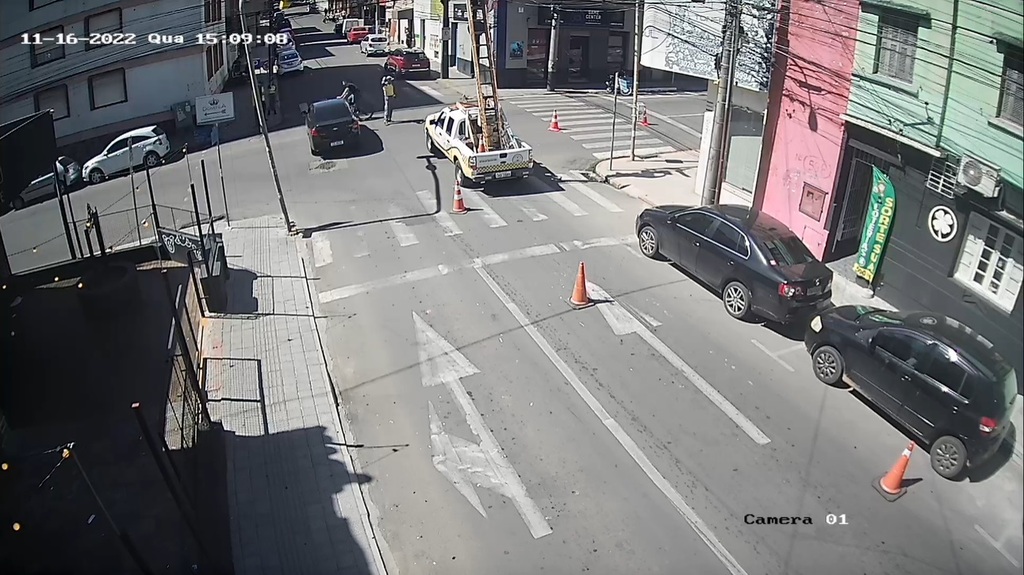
289, 61
356, 35
343, 27
313, 8
406, 61
933, 374
331, 124
69, 173
755, 262
289, 43
143, 147
374, 44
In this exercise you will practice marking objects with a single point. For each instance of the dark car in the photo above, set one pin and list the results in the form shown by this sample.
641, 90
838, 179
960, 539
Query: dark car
331, 124
756, 263
933, 374
408, 61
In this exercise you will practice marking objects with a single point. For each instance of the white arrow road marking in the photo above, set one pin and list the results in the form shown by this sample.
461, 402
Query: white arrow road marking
623, 323
627, 443
485, 464
322, 254
402, 232
533, 213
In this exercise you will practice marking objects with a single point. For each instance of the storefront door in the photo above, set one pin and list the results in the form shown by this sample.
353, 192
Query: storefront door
537, 57
579, 58
853, 209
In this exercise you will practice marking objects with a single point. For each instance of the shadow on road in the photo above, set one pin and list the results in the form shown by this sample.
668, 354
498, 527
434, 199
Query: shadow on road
369, 144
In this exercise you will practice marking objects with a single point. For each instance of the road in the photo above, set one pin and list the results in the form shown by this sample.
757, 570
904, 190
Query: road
509, 433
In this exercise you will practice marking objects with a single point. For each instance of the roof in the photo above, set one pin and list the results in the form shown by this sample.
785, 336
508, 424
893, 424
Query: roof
967, 342
751, 220
139, 131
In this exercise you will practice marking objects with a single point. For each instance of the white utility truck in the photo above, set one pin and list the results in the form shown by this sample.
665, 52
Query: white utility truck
455, 133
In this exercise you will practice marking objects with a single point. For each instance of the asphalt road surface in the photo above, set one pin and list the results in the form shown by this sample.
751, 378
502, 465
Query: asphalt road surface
508, 433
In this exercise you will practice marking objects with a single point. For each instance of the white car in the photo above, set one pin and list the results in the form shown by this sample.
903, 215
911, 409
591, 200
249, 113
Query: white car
374, 44
289, 43
289, 61
144, 147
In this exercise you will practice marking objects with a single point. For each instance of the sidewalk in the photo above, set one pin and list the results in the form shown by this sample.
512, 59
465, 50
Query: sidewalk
669, 179
295, 501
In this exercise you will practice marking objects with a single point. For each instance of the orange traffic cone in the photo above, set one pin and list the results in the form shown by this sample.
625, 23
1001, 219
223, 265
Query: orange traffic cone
890, 486
580, 299
645, 122
483, 147
554, 127
459, 206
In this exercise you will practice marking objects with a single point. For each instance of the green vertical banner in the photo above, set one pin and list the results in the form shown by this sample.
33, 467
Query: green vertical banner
877, 226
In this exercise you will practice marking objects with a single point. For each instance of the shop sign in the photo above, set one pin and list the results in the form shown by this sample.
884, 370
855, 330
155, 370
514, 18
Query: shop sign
877, 227
588, 18
942, 224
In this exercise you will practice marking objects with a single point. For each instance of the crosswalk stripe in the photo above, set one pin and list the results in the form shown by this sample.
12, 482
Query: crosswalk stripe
322, 254
577, 115
551, 106
533, 213
593, 195
491, 216
402, 232
586, 122
639, 152
605, 128
569, 205
432, 92
361, 249
622, 140
443, 218
598, 134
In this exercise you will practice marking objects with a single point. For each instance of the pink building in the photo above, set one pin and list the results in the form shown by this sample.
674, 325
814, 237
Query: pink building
805, 130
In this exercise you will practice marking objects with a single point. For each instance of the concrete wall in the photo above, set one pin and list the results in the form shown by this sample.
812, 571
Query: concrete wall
807, 137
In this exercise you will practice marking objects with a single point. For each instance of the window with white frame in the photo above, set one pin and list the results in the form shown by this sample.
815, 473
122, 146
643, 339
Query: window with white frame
107, 22
47, 51
56, 99
1011, 93
107, 89
897, 47
991, 262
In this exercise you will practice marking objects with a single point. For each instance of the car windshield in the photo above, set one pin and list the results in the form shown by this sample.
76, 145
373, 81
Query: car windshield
786, 249
414, 56
289, 56
332, 112
1009, 387
157, 131
65, 161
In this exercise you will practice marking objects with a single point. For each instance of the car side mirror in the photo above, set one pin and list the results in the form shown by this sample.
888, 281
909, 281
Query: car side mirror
671, 219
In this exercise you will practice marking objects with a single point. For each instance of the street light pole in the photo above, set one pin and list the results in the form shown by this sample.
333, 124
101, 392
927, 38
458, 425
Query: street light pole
719, 132
637, 33
263, 124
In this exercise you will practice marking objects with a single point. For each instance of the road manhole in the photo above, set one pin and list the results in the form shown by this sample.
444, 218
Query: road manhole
322, 166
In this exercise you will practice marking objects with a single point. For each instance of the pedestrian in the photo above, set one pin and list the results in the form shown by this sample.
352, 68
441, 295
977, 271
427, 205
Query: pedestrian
388, 85
272, 98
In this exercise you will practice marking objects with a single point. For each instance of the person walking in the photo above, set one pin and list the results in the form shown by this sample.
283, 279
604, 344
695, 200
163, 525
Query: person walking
388, 85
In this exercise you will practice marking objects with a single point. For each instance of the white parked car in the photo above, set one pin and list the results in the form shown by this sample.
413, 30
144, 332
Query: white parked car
289, 43
144, 147
374, 44
289, 61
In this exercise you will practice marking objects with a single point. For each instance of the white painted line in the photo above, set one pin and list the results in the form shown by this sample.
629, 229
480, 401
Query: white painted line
402, 232
601, 126
492, 259
572, 115
433, 93
533, 213
622, 142
604, 132
639, 152
616, 430
701, 115
490, 216
635, 252
587, 122
594, 196
999, 548
569, 205
322, 254
361, 249
443, 218
551, 105
761, 347
623, 323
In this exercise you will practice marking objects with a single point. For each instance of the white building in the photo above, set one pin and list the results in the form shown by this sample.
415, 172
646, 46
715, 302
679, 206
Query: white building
120, 65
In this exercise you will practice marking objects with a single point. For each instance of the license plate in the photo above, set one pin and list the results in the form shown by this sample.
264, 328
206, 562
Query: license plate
503, 175
816, 290
341, 143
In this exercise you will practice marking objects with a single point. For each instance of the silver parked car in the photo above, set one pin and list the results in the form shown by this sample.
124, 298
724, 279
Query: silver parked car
69, 174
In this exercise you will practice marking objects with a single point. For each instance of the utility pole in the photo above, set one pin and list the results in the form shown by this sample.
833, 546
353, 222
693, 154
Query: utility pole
719, 131
638, 18
263, 125
553, 50
446, 31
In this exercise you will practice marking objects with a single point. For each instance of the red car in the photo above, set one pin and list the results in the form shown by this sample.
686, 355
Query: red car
407, 61
357, 34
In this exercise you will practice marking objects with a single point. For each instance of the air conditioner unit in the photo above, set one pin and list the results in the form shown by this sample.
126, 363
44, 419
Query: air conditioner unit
978, 176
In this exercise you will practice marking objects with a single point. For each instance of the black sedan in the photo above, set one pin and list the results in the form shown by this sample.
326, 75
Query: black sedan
934, 375
757, 265
331, 124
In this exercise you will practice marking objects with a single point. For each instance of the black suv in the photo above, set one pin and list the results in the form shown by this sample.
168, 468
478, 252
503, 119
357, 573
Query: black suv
936, 376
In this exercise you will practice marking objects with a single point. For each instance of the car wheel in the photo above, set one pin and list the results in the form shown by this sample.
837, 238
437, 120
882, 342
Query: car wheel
151, 159
736, 298
314, 151
431, 148
828, 365
96, 176
648, 240
18, 203
949, 457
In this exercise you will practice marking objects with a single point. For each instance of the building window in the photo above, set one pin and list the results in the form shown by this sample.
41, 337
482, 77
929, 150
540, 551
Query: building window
107, 89
897, 48
37, 4
213, 10
56, 99
990, 262
48, 51
1011, 95
214, 60
107, 22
